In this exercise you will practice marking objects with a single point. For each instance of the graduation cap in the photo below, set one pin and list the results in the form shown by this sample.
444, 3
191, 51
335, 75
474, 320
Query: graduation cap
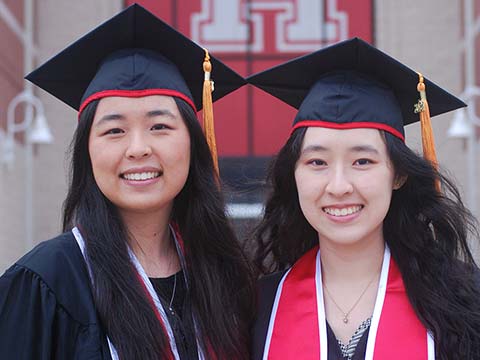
135, 54
354, 85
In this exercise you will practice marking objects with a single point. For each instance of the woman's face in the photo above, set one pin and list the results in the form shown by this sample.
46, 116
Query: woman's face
140, 152
345, 181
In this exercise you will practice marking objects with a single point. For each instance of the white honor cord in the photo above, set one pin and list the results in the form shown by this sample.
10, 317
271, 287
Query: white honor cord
148, 285
377, 310
156, 301
322, 322
430, 346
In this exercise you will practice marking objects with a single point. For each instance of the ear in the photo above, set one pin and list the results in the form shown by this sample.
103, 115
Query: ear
399, 182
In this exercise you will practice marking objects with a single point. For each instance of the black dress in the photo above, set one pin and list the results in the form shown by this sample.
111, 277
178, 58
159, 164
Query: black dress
46, 306
173, 289
267, 288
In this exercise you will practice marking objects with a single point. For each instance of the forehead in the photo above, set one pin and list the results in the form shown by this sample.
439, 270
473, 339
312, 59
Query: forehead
127, 106
344, 138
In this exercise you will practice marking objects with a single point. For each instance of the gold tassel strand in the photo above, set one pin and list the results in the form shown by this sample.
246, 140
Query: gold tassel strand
208, 123
428, 142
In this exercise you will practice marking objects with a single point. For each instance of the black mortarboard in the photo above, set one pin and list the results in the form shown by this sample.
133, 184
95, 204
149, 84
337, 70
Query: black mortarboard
135, 54
352, 84
132, 54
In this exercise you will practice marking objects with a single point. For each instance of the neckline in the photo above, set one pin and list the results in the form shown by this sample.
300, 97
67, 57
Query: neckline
168, 278
348, 349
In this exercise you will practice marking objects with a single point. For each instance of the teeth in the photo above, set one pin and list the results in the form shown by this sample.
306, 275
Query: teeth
342, 211
141, 176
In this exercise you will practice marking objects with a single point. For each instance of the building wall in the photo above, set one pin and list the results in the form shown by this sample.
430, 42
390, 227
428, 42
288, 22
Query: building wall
425, 35
11, 69
430, 45
57, 24
11, 83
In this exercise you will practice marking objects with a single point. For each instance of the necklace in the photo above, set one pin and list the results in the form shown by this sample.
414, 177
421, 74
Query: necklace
170, 308
346, 314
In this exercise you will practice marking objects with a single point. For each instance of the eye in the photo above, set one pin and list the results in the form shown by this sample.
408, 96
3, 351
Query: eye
160, 127
363, 162
113, 131
317, 162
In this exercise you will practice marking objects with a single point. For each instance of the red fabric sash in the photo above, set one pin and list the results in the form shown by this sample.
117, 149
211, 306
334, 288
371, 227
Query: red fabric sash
400, 334
296, 333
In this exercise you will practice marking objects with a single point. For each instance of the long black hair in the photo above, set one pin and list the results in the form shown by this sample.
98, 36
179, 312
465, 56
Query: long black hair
221, 290
427, 232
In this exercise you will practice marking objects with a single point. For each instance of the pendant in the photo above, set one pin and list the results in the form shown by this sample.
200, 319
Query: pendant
171, 311
345, 319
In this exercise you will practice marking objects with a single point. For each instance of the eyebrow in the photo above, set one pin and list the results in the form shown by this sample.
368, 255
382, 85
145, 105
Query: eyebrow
364, 148
110, 117
356, 148
150, 114
314, 148
161, 112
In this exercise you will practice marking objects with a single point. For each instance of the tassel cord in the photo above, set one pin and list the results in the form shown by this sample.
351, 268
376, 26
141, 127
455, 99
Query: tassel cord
208, 120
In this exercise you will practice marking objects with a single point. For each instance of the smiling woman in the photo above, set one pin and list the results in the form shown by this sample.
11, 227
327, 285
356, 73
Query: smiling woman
148, 266
345, 185
366, 256
148, 155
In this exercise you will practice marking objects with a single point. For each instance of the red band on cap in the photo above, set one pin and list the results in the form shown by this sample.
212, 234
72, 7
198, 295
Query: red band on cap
136, 93
352, 125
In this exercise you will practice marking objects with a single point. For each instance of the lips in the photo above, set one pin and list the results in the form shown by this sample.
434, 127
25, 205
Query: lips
342, 211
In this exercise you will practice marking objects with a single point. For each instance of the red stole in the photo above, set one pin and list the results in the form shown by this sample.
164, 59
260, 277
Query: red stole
297, 327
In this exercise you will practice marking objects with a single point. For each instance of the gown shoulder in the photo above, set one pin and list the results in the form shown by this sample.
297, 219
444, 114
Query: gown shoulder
266, 290
46, 306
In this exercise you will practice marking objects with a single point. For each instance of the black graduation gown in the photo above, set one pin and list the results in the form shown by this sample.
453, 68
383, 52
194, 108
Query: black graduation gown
46, 306
267, 288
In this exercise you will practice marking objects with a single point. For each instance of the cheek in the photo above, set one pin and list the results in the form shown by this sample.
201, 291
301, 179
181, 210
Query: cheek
103, 163
97, 158
308, 188
378, 190
181, 149
183, 168
177, 154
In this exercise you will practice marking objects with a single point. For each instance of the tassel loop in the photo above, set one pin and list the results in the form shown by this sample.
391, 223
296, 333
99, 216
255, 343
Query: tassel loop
208, 121
428, 142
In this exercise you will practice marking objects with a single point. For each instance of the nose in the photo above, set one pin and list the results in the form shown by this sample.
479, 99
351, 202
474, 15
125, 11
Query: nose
138, 147
339, 183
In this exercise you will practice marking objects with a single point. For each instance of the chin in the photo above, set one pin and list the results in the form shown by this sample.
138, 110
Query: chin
340, 241
343, 238
145, 206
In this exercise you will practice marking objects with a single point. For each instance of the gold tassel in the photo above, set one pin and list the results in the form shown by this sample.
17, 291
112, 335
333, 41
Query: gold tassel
208, 123
428, 142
